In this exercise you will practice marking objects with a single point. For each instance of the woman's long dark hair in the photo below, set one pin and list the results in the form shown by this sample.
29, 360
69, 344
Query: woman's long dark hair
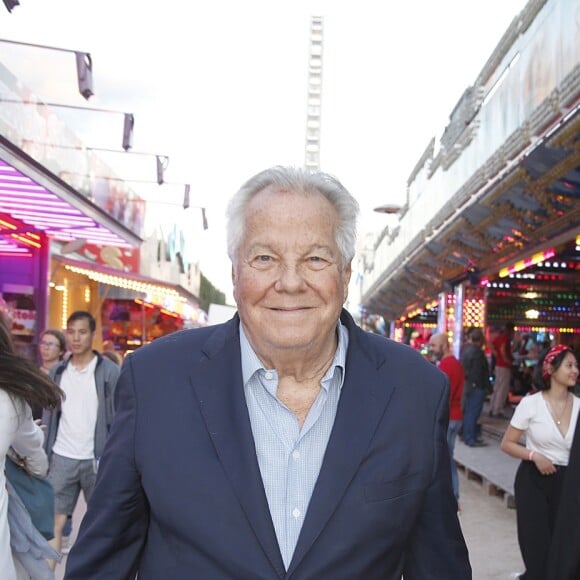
21, 377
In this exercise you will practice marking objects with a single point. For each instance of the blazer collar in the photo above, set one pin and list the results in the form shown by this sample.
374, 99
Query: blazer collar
218, 385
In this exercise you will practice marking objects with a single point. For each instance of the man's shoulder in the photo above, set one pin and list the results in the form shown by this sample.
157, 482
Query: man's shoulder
186, 342
108, 366
450, 364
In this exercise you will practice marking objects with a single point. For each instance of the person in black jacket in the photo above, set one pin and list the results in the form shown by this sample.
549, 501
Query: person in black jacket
477, 385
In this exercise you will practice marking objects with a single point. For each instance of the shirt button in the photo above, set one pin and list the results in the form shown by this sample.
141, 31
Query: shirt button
296, 513
268, 375
296, 455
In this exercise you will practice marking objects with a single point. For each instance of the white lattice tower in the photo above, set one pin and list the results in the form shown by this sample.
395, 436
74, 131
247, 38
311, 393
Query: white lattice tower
314, 98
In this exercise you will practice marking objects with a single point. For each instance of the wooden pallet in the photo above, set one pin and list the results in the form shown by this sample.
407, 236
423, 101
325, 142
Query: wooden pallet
490, 488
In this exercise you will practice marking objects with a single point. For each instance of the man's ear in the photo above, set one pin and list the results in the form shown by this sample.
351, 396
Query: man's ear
347, 274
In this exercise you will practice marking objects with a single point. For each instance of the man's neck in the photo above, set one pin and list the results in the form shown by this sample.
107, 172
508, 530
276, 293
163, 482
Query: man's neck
301, 365
80, 361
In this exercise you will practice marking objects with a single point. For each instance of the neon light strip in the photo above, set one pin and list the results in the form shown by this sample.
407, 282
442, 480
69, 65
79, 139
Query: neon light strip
51, 206
15, 254
26, 240
31, 190
35, 206
55, 219
8, 225
524, 264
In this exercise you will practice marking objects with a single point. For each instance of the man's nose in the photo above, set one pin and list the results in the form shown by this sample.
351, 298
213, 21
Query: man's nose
290, 278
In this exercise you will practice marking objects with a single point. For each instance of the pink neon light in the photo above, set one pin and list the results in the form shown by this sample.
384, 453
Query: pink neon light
64, 217
25, 189
13, 248
14, 188
17, 202
68, 228
35, 206
57, 223
16, 179
18, 195
30, 211
42, 209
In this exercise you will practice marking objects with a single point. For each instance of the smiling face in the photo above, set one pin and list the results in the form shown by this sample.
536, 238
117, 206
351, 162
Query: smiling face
288, 279
567, 373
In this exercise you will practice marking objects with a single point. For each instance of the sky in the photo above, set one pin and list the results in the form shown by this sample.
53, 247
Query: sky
220, 88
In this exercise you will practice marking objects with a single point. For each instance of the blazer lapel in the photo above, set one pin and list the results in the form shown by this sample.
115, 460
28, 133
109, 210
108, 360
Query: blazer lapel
363, 401
218, 385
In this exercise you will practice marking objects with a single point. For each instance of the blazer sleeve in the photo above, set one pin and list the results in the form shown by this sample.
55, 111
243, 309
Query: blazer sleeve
114, 528
437, 549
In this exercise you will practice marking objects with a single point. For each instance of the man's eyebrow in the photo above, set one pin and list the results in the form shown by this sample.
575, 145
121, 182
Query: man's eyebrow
259, 248
320, 247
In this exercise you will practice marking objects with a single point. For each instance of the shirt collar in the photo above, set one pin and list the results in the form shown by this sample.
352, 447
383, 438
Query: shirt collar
251, 363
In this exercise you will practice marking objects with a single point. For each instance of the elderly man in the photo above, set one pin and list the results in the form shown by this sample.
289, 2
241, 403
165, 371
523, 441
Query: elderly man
287, 442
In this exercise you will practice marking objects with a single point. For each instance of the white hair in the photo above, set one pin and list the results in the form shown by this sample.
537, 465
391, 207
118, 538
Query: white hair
296, 179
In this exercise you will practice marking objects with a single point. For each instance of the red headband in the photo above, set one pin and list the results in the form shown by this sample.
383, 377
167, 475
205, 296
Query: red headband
550, 356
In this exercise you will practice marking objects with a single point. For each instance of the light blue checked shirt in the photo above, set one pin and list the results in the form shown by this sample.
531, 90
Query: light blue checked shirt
289, 457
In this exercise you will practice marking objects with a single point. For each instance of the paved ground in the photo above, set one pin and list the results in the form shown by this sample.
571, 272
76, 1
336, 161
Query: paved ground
490, 532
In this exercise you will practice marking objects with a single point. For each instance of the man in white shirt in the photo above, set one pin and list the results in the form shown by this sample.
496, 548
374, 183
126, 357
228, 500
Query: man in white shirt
76, 431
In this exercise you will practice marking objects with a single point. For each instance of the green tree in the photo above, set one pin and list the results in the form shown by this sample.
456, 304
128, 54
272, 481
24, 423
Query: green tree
209, 294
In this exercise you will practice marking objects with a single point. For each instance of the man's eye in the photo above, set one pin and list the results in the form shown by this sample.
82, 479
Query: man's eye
317, 262
261, 261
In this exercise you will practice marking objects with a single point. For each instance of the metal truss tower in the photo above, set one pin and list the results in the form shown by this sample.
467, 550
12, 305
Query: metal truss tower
314, 98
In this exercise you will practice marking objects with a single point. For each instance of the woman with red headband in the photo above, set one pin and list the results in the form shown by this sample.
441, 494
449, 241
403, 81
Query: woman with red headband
548, 420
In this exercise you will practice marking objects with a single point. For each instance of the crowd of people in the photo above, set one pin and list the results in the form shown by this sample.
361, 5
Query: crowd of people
545, 416
285, 442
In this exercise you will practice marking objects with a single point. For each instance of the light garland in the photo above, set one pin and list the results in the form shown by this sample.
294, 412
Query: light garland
126, 283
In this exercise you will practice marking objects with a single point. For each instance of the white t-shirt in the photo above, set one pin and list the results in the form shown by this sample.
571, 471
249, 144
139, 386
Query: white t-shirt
542, 434
76, 430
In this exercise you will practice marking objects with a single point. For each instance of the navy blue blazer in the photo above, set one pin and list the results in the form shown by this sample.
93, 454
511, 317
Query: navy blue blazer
179, 493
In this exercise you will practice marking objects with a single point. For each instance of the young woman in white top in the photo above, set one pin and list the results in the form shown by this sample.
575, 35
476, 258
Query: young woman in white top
548, 420
21, 384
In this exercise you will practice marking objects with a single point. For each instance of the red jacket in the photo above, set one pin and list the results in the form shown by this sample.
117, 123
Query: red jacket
454, 370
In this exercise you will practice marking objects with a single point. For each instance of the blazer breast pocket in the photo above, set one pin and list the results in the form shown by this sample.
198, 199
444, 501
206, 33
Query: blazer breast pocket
394, 489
